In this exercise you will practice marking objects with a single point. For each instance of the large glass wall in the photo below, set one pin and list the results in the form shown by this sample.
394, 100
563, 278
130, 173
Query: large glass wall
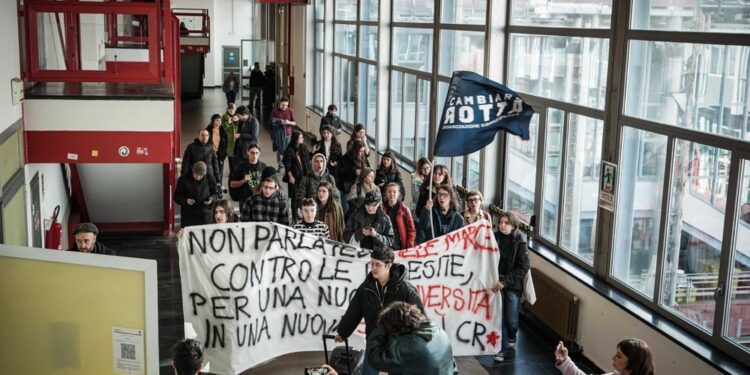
661, 91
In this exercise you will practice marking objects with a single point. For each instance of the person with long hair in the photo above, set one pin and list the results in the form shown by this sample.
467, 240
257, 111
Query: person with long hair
441, 219
331, 148
403, 225
358, 134
330, 212
474, 211
511, 270
222, 212
350, 167
387, 172
365, 184
440, 177
421, 174
296, 164
632, 357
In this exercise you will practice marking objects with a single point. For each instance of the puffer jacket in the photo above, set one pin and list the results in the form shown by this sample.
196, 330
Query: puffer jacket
424, 351
196, 152
514, 265
369, 301
380, 222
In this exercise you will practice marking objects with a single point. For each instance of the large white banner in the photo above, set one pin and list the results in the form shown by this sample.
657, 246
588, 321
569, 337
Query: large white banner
255, 291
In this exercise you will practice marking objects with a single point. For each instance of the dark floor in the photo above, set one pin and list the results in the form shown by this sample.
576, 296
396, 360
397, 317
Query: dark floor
534, 353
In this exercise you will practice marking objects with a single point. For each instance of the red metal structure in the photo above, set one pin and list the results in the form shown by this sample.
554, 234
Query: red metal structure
124, 52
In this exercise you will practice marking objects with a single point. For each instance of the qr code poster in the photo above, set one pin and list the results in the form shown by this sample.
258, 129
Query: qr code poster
127, 351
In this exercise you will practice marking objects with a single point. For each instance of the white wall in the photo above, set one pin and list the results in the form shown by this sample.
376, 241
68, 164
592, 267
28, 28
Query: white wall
231, 23
9, 64
123, 193
602, 324
52, 193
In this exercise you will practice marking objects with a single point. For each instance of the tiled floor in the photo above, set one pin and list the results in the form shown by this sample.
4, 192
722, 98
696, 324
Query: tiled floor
534, 355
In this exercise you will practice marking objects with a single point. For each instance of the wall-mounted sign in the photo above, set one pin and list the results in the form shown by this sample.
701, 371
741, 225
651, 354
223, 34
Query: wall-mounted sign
607, 183
123, 151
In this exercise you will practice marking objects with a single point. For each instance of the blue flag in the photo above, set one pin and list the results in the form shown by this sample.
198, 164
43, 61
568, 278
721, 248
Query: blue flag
475, 109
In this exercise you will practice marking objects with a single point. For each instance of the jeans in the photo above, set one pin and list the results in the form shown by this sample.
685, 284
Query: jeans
280, 153
367, 369
511, 308
231, 96
254, 102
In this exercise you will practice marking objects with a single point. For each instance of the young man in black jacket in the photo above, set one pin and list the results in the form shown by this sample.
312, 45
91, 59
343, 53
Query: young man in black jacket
386, 283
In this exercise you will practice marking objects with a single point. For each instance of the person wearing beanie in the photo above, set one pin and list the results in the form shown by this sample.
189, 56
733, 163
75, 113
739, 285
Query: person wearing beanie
369, 225
85, 235
308, 186
201, 150
195, 193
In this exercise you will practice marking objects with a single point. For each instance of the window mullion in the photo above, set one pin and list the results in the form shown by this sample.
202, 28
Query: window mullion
563, 168
664, 222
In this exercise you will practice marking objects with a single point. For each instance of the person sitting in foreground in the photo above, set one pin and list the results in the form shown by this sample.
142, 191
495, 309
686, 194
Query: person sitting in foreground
633, 357
405, 342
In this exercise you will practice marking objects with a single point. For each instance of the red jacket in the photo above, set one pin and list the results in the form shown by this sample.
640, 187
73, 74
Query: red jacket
404, 225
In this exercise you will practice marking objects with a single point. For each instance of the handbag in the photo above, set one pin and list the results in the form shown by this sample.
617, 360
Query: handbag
529, 293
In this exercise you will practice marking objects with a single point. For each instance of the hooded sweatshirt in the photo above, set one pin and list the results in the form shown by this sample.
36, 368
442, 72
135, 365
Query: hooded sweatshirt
370, 298
308, 186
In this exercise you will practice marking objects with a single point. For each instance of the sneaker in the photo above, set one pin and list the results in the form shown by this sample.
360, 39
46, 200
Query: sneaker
511, 344
500, 357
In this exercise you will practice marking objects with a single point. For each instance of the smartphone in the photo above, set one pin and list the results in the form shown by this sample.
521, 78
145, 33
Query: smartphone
316, 370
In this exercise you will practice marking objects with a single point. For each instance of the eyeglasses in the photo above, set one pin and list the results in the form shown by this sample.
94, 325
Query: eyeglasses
443, 194
474, 200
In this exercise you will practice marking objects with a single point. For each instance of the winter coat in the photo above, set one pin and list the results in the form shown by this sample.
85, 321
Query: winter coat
99, 248
221, 153
257, 78
297, 161
514, 264
381, 223
231, 129
404, 225
334, 218
198, 213
369, 300
383, 178
333, 155
334, 121
196, 152
442, 224
258, 208
307, 187
424, 351
356, 198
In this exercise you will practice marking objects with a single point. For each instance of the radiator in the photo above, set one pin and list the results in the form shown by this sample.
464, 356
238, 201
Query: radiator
555, 306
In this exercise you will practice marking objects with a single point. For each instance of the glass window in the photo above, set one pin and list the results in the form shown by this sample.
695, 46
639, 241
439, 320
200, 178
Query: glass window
579, 14
464, 12
413, 10
320, 9
343, 88
583, 155
520, 176
638, 211
369, 10
410, 114
474, 171
397, 111
345, 38
569, 69
319, 35
423, 119
461, 50
412, 48
551, 179
318, 82
368, 98
697, 86
345, 10
368, 46
706, 16
693, 238
735, 328
457, 170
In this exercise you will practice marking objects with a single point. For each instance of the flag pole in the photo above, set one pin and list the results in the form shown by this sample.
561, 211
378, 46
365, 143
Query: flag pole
429, 196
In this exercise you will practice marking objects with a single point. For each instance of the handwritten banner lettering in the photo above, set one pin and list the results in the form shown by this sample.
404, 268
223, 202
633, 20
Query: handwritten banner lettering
255, 291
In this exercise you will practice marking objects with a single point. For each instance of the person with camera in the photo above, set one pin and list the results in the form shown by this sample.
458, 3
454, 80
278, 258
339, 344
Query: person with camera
386, 283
